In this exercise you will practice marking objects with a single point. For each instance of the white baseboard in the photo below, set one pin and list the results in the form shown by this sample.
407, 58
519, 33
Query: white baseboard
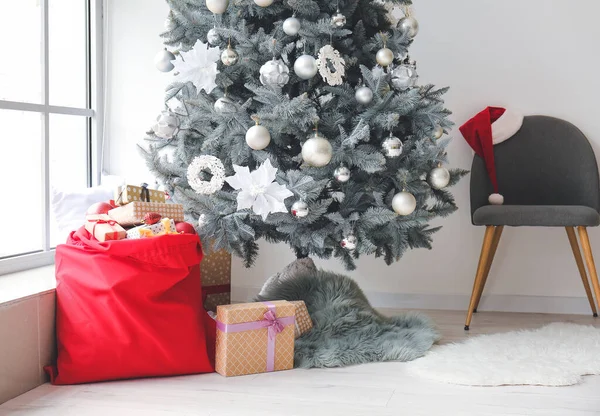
500, 303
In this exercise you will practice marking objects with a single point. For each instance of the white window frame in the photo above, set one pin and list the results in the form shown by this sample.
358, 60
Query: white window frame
94, 112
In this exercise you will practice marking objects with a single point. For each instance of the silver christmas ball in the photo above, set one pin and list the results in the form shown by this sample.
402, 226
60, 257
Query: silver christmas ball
350, 242
384, 56
258, 137
438, 178
300, 209
225, 105
438, 132
166, 126
404, 203
317, 151
306, 67
217, 6
342, 174
212, 36
409, 25
364, 95
291, 26
263, 3
392, 146
274, 73
404, 77
163, 59
338, 19
229, 56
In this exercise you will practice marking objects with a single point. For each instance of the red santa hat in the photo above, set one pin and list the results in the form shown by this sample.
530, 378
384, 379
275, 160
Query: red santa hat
491, 126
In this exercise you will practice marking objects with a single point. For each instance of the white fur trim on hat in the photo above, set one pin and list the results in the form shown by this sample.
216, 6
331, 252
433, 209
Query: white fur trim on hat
506, 126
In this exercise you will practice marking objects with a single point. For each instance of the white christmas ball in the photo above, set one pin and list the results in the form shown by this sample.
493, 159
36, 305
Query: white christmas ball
350, 242
384, 56
496, 199
300, 209
404, 203
392, 146
364, 95
212, 36
438, 132
163, 59
317, 151
409, 25
229, 56
225, 105
166, 126
258, 137
274, 73
404, 77
291, 26
438, 178
342, 174
217, 6
263, 3
306, 67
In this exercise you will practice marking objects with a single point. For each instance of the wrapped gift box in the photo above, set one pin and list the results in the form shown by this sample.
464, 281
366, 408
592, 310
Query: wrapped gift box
164, 226
133, 213
103, 228
255, 338
131, 193
216, 279
303, 320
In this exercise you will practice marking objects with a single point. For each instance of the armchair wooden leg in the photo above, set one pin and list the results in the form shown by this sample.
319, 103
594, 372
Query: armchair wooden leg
497, 234
483, 261
581, 267
589, 259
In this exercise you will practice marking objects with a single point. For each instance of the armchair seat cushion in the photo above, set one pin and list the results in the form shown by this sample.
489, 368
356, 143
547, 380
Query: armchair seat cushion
537, 216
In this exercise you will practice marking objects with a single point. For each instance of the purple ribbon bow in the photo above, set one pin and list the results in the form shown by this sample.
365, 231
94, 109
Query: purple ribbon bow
273, 324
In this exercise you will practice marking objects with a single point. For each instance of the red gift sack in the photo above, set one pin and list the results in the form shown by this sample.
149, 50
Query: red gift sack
130, 308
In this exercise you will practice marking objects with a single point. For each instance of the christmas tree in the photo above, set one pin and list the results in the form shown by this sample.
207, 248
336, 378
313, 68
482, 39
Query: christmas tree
301, 121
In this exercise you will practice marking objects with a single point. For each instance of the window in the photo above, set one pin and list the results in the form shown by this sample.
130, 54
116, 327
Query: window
50, 118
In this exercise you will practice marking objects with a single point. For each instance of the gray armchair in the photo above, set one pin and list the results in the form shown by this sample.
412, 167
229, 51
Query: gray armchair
548, 175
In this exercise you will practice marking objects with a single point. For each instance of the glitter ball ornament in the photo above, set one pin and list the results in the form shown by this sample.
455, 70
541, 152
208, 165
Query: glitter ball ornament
291, 26
263, 3
317, 151
225, 105
258, 137
274, 73
350, 242
438, 178
229, 56
151, 218
384, 57
364, 95
342, 174
166, 126
404, 77
392, 146
217, 6
404, 203
163, 59
409, 25
438, 132
306, 67
216, 169
338, 19
212, 36
300, 209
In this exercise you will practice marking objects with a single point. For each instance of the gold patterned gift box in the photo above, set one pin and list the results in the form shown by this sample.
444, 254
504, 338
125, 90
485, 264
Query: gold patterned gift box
215, 270
303, 320
133, 213
255, 338
131, 193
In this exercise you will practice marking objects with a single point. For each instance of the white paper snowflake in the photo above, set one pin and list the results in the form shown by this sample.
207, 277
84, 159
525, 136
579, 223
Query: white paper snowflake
328, 55
258, 190
199, 66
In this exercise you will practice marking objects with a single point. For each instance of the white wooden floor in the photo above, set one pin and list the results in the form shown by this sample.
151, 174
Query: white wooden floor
372, 389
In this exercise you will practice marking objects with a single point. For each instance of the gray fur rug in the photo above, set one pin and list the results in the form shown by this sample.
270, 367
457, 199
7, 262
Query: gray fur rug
347, 330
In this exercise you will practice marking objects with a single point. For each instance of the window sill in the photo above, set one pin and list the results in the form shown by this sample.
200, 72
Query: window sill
28, 283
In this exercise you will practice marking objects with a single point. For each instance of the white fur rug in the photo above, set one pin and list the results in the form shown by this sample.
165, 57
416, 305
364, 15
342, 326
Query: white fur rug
558, 354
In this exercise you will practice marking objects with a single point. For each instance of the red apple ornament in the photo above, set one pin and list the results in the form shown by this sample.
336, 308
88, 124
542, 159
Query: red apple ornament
185, 227
99, 208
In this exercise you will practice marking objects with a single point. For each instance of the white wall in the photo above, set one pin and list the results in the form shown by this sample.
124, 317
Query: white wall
536, 56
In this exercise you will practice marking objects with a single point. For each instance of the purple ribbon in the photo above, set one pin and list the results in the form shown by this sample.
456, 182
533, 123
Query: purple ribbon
273, 324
